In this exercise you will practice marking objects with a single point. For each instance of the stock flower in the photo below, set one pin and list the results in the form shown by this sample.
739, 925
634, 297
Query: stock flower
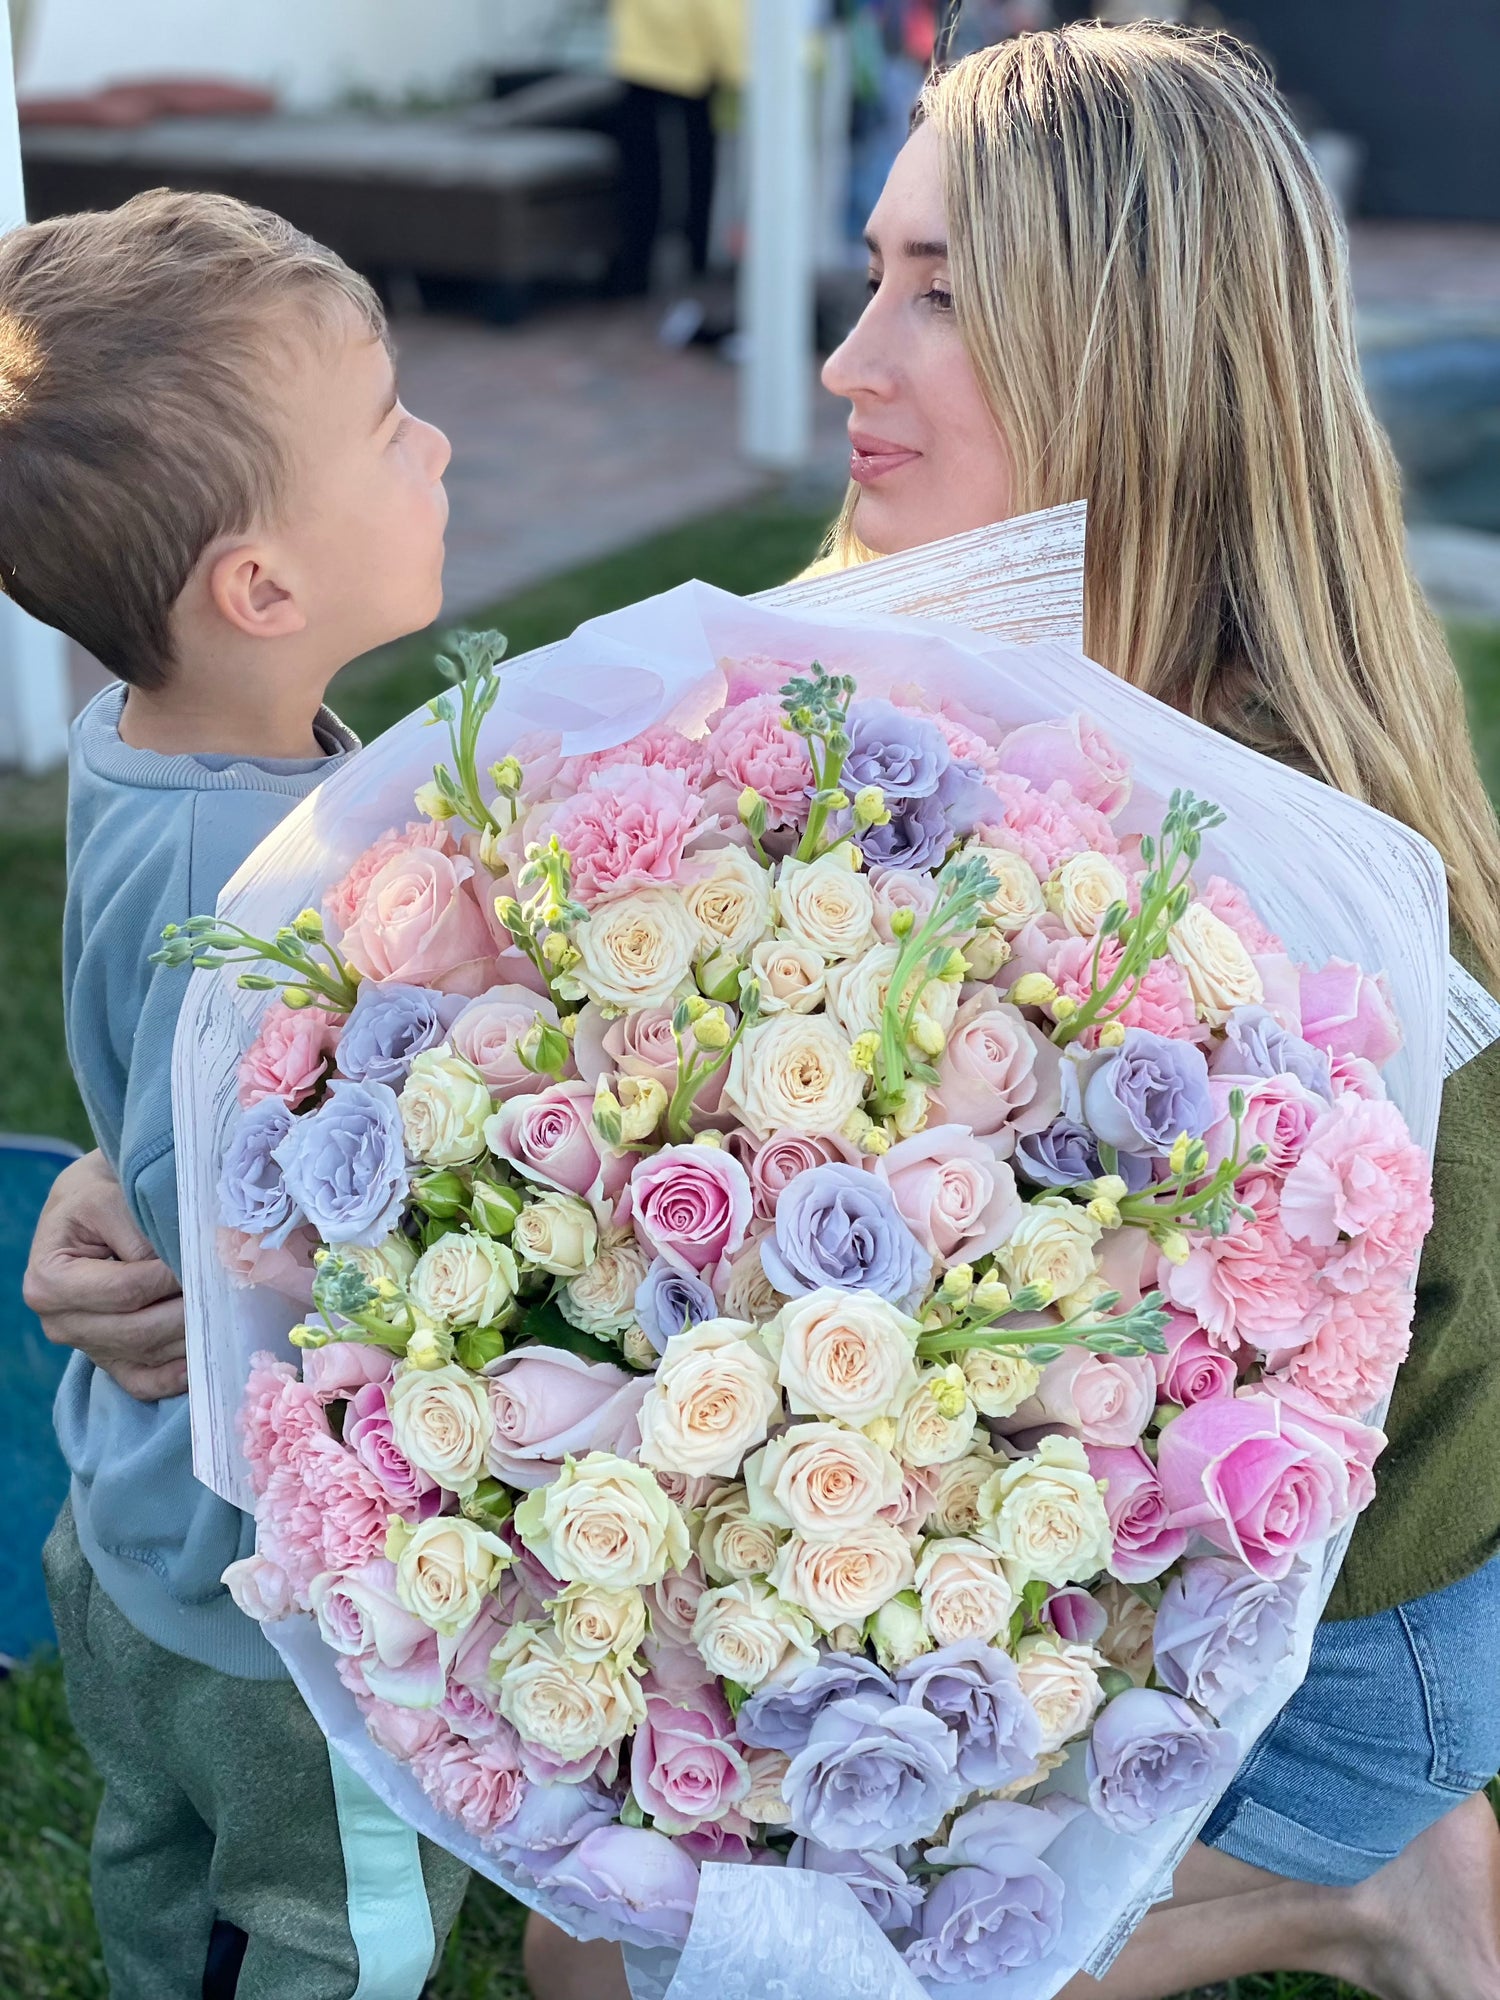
345, 1164
839, 1226
440, 1421
637, 950
844, 1355
825, 904
290, 1056
547, 1405
793, 1073
1045, 1515
747, 1633
1151, 1756
464, 1280
603, 1520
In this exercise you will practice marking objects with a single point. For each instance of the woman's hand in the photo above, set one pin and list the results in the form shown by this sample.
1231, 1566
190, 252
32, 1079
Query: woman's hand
95, 1283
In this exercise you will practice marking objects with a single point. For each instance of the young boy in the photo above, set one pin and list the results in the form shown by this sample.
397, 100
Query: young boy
207, 479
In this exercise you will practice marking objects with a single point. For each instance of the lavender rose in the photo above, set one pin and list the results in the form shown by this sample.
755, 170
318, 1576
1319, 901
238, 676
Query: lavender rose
253, 1194
550, 1820
1067, 1154
1150, 1756
1141, 1096
976, 1691
629, 1880
781, 1717
1000, 1907
669, 1301
873, 1775
878, 1880
345, 1164
388, 1026
905, 755
916, 836
1256, 1044
1220, 1629
840, 1226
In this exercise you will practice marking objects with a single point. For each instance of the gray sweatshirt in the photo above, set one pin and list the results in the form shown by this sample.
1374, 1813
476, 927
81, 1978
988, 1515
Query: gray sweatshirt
151, 840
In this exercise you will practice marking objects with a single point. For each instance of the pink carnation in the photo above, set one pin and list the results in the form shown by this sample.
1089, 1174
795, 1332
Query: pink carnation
289, 1529
626, 828
403, 1733
478, 1784
343, 900
278, 1418
1348, 1012
1361, 1190
353, 1507
1251, 1284
290, 1055
1359, 1341
660, 747
750, 745
1162, 1001
965, 744
1232, 906
1048, 827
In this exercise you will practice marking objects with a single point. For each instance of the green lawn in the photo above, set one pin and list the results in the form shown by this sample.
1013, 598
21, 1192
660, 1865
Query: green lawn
48, 1950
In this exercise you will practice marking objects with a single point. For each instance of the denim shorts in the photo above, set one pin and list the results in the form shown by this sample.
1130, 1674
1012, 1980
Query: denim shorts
1397, 1722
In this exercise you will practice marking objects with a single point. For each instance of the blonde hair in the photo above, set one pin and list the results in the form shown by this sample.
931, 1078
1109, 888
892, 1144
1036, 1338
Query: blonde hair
1152, 285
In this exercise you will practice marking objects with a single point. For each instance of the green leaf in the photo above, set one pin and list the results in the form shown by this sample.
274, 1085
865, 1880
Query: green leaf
542, 1325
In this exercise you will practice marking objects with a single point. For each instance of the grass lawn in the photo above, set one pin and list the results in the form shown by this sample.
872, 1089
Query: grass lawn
48, 1949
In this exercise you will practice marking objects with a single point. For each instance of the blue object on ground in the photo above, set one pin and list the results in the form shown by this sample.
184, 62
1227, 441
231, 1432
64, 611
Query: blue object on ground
33, 1478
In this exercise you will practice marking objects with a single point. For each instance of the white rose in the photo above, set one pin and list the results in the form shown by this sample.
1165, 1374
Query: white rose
1220, 972
568, 1708
1045, 1514
603, 1520
598, 1624
964, 1590
445, 1567
440, 1420
444, 1105
1016, 898
745, 1633
464, 1280
999, 1378
730, 1542
1084, 887
898, 1633
791, 975
556, 1232
793, 1073
731, 902
746, 1290
821, 1480
261, 1588
955, 1509
714, 1399
1051, 1245
849, 1355
601, 1299
1061, 1681
638, 950
858, 990
936, 1424
765, 1803
846, 1580
395, 1258
1128, 1640
826, 903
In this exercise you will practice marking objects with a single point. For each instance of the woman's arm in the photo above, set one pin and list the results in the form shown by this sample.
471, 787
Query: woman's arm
95, 1284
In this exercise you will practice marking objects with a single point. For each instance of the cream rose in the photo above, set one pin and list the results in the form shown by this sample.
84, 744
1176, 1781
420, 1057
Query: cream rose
445, 1567
594, 1623
858, 990
440, 1420
444, 1105
826, 903
1083, 888
1045, 1515
556, 1232
848, 1355
793, 1073
746, 1290
731, 902
936, 1424
568, 1708
395, 1259
765, 1803
745, 1633
603, 1520
955, 1507
845, 1580
1051, 1245
790, 974
637, 950
1016, 898
1000, 1379
730, 1543
1061, 1681
714, 1399
601, 1299
1221, 974
464, 1280
1128, 1639
821, 1480
964, 1590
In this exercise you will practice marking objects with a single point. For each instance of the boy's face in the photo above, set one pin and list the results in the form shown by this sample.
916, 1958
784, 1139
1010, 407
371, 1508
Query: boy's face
360, 538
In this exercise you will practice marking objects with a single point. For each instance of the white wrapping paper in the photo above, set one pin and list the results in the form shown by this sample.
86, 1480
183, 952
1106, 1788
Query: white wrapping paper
1333, 876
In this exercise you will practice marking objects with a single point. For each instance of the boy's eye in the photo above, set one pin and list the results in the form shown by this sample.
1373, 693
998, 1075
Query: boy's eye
872, 283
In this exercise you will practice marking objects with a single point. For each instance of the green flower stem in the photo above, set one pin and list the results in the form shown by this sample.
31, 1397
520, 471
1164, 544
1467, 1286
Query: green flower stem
475, 675
692, 1075
963, 886
1138, 1331
208, 944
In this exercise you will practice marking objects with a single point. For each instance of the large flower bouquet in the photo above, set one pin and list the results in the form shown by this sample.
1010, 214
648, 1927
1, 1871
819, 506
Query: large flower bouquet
846, 1271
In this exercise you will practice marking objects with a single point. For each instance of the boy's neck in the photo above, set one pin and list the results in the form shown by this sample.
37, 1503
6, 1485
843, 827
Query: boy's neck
184, 720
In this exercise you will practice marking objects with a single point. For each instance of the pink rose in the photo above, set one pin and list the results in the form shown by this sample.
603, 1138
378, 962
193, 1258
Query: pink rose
468, 1714
1047, 825
1161, 1001
687, 1493
343, 1368
489, 1029
772, 1163
1280, 1114
548, 1404
686, 1769
1232, 906
361, 1617
343, 900
1349, 1012
1104, 1399
1254, 1283
420, 923
1361, 1184
402, 1733
1352, 1076
1031, 949
998, 1074
750, 745
1073, 750
900, 889
1281, 991
1146, 1543
478, 1784
715, 1842
639, 1044
287, 1269
957, 1196
260, 1588
290, 1054
627, 828
1356, 1444
548, 1135
1075, 1616
368, 1433
673, 1660
920, 1486
1192, 1369
1358, 1341
691, 1205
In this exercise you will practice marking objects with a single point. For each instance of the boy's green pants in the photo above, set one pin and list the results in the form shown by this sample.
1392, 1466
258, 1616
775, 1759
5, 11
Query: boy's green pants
219, 1801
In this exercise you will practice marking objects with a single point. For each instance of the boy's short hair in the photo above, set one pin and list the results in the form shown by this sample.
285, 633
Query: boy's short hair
133, 422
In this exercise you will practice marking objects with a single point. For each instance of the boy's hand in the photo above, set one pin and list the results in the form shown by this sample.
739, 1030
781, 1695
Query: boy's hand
95, 1283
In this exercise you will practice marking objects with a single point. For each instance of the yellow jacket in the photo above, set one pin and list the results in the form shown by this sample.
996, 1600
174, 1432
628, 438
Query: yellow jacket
685, 46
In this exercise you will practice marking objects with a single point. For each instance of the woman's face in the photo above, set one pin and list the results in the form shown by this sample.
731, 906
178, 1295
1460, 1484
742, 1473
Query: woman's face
926, 452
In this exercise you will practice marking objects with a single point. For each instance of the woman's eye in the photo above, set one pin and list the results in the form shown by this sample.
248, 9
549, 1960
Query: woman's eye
938, 299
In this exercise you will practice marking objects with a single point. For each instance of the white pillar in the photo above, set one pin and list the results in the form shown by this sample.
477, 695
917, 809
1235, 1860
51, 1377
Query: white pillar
777, 282
34, 700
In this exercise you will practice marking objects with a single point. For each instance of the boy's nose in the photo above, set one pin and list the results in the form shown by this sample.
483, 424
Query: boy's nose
439, 450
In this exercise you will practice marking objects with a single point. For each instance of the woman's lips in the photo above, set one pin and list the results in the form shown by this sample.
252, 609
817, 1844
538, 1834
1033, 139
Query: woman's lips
871, 458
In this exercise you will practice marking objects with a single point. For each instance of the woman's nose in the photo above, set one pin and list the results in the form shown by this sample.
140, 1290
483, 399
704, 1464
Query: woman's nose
856, 367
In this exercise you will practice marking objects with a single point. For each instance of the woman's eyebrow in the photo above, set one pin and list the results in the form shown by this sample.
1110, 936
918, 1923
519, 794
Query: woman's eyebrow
918, 252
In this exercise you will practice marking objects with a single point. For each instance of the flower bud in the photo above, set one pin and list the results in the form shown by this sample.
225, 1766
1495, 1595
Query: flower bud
709, 1138
903, 922
507, 775
1112, 1035
1033, 989
307, 1336
309, 926
432, 802
863, 1051
752, 811
927, 1037
641, 1101
442, 1194
543, 1049
986, 954
712, 1031
992, 1295
637, 1349
958, 1281
870, 808
876, 1142
882, 1431
1172, 1243
911, 1113
1104, 1212
719, 975
1064, 1007
430, 1347
296, 997
950, 1391
898, 1633
478, 1347
1110, 1187
559, 953
494, 1208
609, 1115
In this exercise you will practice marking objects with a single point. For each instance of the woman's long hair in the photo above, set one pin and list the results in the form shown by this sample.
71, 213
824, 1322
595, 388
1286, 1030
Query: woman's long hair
1152, 284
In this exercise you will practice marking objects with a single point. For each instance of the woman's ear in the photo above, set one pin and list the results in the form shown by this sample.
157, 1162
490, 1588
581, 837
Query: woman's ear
244, 591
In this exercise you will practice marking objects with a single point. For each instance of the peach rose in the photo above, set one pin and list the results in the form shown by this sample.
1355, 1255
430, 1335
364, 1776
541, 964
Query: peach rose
847, 1580
419, 922
844, 1355
713, 1400
821, 1480
964, 1590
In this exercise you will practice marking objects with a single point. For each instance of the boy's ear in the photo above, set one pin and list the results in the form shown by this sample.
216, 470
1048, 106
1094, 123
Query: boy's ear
244, 591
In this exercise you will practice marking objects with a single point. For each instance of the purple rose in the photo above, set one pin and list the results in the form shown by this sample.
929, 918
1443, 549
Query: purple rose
1220, 1629
878, 1880
345, 1163
1000, 1907
839, 1226
629, 1881
1075, 1616
976, 1691
781, 1716
1067, 1154
905, 755
1139, 1097
253, 1194
668, 1301
1256, 1044
1150, 1756
388, 1026
916, 836
368, 1433
874, 1774
550, 1820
